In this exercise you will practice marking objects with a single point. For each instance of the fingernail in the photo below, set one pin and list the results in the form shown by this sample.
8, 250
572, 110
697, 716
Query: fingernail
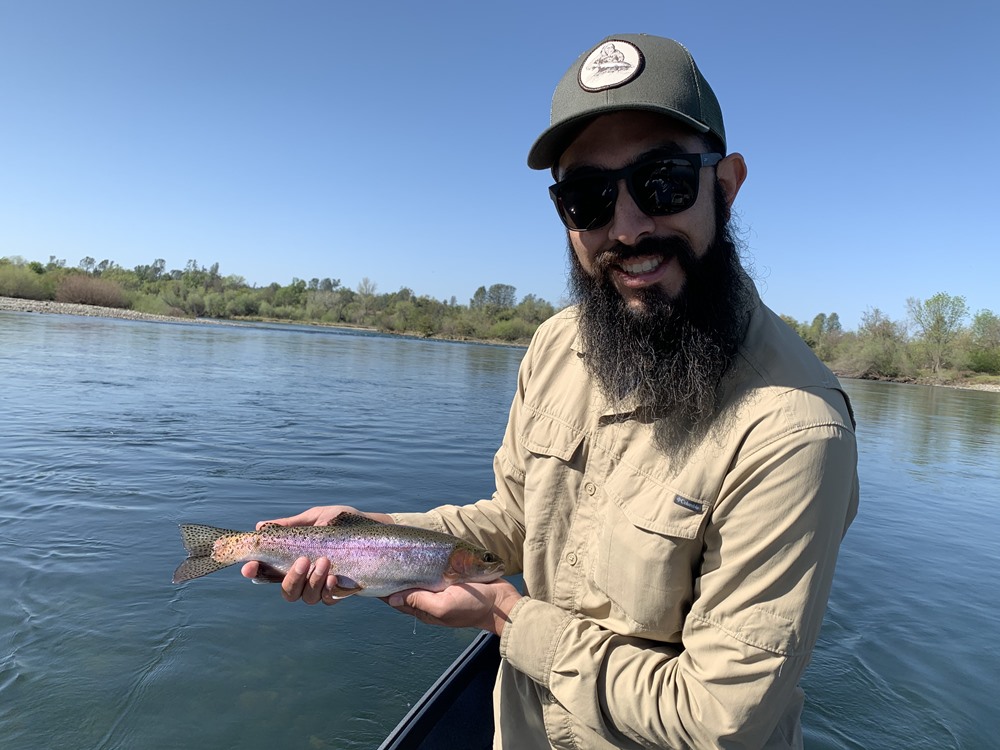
396, 600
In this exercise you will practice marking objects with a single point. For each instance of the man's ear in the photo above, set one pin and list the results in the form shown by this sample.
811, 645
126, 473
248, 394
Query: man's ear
731, 172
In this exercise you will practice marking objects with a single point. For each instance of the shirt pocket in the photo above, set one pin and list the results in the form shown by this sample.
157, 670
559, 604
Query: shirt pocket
546, 436
649, 550
551, 455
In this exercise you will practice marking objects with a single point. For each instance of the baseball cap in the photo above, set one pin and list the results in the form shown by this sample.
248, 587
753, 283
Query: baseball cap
628, 71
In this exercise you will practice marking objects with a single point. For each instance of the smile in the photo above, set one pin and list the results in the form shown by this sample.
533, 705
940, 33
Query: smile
639, 267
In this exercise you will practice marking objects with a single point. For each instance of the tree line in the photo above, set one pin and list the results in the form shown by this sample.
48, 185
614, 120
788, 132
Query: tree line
494, 313
940, 337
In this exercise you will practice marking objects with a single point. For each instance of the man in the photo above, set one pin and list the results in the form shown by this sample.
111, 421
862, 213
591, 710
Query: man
678, 469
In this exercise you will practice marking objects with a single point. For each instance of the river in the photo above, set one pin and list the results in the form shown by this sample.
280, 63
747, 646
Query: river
115, 431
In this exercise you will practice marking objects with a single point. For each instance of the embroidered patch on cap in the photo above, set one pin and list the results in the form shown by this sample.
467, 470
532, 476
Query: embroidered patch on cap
612, 64
689, 504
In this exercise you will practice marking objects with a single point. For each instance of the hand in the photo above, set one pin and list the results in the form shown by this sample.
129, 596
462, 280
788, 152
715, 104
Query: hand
311, 582
465, 605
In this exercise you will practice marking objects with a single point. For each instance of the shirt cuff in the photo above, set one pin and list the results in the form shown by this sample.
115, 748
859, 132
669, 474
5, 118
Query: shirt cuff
531, 636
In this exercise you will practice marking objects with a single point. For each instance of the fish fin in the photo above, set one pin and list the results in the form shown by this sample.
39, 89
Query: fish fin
353, 519
268, 574
342, 592
196, 567
198, 538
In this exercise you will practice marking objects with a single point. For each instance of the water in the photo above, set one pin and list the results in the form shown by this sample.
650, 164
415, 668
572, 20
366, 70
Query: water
115, 431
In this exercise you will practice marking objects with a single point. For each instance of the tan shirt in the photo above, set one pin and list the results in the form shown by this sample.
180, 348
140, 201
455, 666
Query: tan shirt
672, 601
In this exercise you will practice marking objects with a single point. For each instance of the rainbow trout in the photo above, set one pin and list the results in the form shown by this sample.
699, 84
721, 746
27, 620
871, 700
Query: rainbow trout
369, 558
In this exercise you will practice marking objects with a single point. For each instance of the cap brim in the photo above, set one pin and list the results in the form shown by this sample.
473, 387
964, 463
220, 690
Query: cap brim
549, 146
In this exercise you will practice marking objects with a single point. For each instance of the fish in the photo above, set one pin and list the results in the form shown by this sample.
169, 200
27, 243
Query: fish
368, 557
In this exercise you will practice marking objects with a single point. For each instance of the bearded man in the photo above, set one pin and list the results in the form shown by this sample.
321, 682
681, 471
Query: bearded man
678, 469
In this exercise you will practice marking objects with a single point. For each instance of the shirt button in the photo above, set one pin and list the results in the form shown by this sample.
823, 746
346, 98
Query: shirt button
571, 558
590, 488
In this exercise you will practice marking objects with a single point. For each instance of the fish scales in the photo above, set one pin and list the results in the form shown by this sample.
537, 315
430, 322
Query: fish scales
368, 557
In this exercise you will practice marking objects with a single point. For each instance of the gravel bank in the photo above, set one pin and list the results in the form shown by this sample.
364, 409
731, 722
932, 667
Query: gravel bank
13, 304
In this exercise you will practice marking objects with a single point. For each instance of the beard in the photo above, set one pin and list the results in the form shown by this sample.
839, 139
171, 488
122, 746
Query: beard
670, 354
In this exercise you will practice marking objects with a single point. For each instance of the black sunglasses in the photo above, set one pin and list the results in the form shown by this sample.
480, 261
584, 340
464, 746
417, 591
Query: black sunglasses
659, 186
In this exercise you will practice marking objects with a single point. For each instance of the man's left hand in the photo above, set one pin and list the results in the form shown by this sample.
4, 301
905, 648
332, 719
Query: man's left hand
465, 605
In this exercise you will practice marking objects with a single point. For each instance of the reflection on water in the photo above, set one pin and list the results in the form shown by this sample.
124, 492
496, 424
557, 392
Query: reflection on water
115, 431
925, 422
908, 650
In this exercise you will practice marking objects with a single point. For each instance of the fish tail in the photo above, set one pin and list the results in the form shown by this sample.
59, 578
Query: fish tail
199, 541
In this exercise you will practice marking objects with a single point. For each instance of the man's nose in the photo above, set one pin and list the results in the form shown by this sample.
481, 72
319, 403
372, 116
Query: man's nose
630, 223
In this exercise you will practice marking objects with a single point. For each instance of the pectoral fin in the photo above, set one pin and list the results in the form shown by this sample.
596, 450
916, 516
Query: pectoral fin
267, 574
345, 587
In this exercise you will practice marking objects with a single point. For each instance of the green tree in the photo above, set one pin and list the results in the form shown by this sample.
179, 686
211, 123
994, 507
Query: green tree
881, 351
501, 296
478, 299
985, 342
939, 322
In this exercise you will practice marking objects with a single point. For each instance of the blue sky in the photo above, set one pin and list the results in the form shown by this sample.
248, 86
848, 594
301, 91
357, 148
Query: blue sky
388, 140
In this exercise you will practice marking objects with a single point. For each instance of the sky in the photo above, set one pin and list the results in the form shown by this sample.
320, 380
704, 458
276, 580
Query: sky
388, 140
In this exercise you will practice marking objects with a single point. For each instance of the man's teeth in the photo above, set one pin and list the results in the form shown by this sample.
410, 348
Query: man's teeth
639, 267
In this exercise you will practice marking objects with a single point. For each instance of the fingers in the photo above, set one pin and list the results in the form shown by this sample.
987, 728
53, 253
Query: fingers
314, 588
295, 580
317, 516
311, 582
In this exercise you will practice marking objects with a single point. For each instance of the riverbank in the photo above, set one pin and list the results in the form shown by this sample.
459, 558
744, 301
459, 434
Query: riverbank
14, 304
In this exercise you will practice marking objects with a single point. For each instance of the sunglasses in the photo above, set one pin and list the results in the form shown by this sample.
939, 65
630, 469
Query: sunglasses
660, 186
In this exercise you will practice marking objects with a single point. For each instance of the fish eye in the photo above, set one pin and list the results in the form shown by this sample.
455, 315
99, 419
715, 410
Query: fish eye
490, 557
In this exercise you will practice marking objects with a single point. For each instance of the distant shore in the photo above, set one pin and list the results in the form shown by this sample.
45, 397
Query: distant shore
14, 304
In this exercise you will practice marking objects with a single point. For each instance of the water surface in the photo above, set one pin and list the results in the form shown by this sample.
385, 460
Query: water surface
115, 431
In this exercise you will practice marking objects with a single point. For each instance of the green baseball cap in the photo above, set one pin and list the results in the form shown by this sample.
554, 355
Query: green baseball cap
628, 71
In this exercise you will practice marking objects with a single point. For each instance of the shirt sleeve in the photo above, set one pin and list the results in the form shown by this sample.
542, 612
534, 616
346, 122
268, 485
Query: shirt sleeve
770, 550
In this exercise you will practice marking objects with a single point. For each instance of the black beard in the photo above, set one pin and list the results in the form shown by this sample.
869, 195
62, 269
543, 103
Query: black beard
672, 353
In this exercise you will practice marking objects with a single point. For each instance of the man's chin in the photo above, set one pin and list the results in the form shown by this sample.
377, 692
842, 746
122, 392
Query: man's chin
647, 300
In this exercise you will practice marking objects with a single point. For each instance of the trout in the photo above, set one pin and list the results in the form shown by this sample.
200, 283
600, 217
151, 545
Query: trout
369, 558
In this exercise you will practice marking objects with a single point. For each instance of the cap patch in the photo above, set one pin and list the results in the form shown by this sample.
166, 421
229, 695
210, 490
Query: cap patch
614, 63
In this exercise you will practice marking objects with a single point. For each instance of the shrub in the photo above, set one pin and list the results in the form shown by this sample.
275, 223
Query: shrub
514, 329
19, 281
153, 305
985, 360
87, 290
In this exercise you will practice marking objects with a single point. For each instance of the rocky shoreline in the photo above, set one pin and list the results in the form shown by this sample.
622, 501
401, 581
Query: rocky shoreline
15, 304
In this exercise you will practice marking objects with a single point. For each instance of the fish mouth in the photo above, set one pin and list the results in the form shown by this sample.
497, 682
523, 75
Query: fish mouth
490, 572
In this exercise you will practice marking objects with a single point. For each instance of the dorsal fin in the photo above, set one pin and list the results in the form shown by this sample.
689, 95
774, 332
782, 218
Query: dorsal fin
353, 519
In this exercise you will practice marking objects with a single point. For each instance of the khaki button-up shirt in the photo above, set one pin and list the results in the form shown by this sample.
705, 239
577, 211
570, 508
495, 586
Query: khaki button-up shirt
671, 600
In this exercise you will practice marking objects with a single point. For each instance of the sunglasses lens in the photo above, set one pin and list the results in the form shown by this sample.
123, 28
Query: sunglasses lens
666, 186
587, 202
659, 187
